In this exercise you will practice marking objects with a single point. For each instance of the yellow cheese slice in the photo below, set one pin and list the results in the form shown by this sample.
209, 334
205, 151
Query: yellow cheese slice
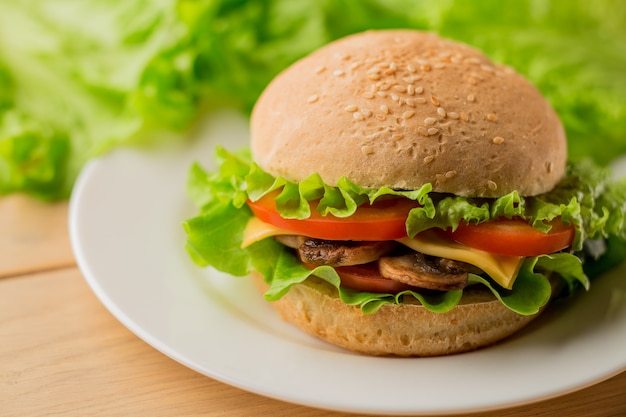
257, 230
502, 269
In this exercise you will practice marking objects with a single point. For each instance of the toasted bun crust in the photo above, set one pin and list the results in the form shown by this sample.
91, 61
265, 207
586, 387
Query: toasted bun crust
402, 108
400, 330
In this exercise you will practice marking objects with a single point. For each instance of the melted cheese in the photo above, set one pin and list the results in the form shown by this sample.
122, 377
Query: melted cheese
257, 230
502, 269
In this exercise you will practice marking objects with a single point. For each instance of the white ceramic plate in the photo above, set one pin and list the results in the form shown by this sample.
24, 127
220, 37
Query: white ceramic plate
125, 225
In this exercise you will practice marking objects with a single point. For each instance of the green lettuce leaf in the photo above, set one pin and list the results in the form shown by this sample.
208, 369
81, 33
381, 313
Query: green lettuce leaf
612, 253
33, 157
214, 236
568, 266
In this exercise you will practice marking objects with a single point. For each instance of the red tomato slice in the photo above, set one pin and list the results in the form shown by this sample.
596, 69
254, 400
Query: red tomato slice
514, 237
367, 278
382, 220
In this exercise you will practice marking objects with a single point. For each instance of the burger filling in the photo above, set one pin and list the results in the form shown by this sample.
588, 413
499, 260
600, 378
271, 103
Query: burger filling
379, 246
387, 259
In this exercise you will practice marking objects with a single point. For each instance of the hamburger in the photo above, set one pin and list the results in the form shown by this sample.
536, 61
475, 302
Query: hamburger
405, 195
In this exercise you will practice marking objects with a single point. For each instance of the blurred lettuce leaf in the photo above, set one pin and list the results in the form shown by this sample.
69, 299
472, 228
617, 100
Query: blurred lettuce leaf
69, 74
80, 78
573, 51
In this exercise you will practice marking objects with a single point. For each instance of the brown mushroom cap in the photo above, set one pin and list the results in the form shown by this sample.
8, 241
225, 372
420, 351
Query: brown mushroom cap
402, 108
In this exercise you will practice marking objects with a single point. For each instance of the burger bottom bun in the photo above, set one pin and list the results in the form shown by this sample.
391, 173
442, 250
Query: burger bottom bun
408, 329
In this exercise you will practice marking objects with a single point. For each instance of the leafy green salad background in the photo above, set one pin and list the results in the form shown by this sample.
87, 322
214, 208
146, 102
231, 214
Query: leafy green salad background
78, 78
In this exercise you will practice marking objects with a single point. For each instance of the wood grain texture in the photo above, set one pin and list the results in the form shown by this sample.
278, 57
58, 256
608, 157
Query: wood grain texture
33, 236
68, 356
63, 354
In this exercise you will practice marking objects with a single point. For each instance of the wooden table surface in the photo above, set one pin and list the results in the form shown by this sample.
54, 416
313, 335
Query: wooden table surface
63, 353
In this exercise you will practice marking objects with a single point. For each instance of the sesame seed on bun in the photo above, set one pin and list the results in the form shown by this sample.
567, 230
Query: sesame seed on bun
401, 108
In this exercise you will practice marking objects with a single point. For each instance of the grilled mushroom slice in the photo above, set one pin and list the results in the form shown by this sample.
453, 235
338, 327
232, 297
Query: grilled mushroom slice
425, 271
337, 253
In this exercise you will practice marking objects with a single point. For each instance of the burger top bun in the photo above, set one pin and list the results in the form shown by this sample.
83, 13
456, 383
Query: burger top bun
401, 108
